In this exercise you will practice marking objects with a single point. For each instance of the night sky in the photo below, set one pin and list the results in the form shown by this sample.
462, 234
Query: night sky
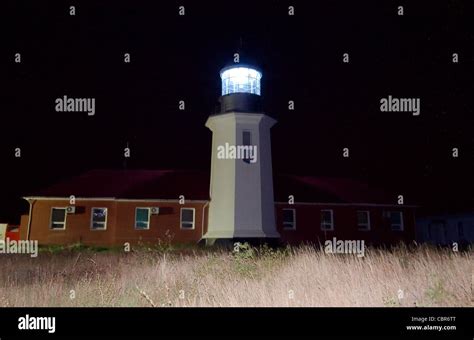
179, 57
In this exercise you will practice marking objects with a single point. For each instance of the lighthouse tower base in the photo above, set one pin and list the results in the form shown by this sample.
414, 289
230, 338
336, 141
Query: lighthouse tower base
231, 242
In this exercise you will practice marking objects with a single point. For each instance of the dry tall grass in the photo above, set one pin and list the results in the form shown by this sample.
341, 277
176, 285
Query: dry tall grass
291, 277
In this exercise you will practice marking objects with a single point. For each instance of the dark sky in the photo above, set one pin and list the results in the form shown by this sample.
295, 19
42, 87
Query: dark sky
174, 58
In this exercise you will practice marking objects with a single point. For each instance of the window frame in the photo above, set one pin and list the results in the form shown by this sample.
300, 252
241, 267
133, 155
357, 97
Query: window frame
402, 226
293, 223
105, 222
149, 218
181, 218
367, 226
332, 220
249, 132
51, 218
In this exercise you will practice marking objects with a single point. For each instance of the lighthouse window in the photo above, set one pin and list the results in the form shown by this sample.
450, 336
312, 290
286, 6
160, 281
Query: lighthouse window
289, 218
246, 138
99, 219
327, 221
187, 218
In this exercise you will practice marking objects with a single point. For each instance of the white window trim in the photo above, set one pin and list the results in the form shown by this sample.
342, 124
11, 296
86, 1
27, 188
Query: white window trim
149, 218
293, 224
332, 220
106, 219
366, 226
51, 218
402, 227
181, 218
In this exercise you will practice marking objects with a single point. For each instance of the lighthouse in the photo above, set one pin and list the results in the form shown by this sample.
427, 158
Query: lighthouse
241, 185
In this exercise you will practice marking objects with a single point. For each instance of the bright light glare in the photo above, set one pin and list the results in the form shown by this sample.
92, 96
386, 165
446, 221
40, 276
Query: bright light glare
241, 80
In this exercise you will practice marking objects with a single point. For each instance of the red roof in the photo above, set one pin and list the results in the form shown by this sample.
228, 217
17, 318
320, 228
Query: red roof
134, 184
194, 185
327, 190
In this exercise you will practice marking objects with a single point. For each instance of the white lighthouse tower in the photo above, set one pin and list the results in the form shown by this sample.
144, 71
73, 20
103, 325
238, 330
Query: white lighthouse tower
241, 186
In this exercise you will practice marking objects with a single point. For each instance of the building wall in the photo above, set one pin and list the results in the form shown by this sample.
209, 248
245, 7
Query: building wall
23, 226
165, 227
308, 224
120, 223
445, 229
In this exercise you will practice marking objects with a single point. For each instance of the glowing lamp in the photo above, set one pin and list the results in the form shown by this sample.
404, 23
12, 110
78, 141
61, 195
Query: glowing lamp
240, 79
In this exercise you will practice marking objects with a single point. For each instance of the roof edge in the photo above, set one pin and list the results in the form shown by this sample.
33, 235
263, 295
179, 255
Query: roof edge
352, 204
51, 198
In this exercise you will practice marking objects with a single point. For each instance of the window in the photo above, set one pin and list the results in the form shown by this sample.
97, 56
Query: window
99, 218
246, 138
187, 218
363, 220
396, 220
58, 218
142, 218
289, 218
247, 141
327, 221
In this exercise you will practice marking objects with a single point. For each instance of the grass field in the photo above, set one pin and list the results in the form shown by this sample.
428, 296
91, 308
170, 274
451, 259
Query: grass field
302, 276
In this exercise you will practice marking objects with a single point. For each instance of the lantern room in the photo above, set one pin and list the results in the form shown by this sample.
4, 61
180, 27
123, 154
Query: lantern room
240, 79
